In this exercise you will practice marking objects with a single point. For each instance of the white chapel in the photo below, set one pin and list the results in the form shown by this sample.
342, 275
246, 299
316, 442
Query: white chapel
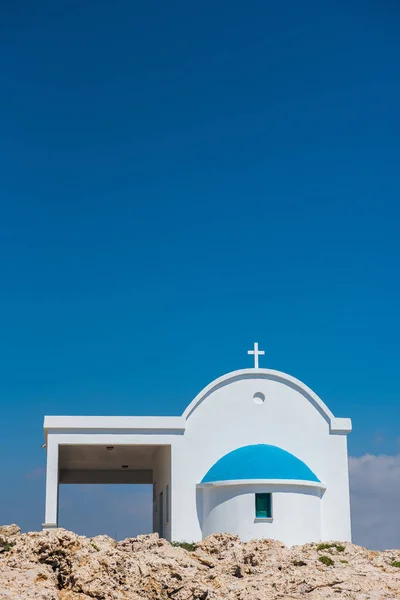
256, 453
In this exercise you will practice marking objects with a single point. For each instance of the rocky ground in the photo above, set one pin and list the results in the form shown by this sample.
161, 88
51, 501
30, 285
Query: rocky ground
60, 565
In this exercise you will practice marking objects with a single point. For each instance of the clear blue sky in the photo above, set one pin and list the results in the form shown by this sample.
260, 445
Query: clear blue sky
178, 180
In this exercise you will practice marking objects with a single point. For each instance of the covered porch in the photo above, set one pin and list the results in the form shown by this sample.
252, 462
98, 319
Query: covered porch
112, 450
120, 464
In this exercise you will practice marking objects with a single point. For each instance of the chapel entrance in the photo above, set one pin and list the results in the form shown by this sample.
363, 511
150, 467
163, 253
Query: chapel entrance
144, 465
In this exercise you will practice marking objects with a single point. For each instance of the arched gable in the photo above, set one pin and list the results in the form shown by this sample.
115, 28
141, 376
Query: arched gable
337, 425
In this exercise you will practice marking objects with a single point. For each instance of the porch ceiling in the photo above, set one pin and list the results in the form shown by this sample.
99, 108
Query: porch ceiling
98, 457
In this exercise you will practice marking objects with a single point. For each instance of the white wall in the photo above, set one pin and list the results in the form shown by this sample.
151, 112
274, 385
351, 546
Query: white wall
296, 513
336, 521
162, 479
229, 418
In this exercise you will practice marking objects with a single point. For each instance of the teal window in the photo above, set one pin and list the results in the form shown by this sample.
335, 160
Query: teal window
263, 506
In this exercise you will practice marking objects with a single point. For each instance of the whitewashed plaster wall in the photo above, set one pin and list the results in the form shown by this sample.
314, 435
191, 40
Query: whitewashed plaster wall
229, 418
162, 483
296, 513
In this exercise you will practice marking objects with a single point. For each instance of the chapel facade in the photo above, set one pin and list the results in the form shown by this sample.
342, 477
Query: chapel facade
256, 453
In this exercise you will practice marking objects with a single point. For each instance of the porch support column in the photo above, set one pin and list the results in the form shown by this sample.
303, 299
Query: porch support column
52, 471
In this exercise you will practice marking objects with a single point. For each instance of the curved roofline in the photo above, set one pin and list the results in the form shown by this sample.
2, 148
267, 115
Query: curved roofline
337, 425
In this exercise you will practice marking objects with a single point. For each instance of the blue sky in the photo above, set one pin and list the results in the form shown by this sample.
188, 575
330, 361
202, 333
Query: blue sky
177, 181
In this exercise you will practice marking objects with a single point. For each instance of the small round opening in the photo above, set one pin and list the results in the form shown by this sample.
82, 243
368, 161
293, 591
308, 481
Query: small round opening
259, 398
124, 466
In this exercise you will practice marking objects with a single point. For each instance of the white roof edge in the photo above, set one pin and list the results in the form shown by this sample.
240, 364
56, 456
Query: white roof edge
88, 422
295, 482
339, 425
336, 425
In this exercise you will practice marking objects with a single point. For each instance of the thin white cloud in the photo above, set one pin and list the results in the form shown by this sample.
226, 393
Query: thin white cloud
375, 500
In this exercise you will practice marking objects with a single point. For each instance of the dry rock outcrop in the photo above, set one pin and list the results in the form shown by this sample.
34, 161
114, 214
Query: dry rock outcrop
60, 565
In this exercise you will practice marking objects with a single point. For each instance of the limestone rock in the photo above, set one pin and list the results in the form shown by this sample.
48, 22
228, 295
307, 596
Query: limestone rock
60, 565
7, 530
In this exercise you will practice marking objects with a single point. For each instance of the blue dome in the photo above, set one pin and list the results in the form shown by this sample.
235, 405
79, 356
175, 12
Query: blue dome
260, 461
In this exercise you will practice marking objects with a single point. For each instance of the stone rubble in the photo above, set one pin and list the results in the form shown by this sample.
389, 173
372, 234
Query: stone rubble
60, 565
